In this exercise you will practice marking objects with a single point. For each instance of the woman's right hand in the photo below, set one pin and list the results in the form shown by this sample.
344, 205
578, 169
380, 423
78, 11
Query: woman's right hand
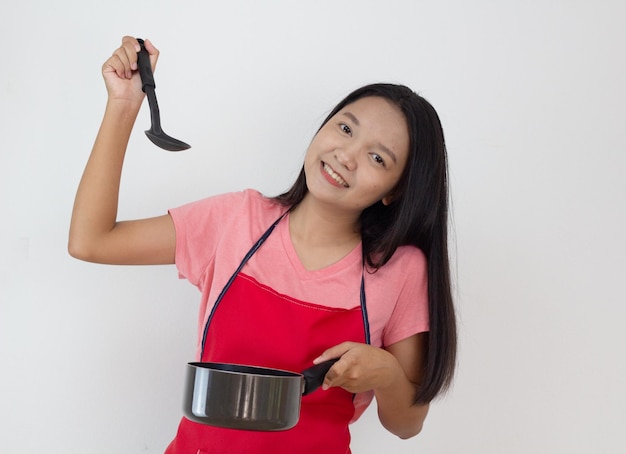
121, 77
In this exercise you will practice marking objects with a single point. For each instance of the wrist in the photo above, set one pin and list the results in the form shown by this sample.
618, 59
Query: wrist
124, 105
122, 111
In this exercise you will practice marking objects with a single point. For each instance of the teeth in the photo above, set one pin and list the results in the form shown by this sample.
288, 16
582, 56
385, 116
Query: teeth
335, 176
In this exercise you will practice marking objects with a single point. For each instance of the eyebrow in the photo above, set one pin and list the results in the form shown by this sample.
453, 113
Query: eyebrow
351, 116
385, 150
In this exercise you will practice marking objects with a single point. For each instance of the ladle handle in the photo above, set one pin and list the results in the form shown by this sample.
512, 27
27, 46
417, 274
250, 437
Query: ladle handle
145, 68
314, 376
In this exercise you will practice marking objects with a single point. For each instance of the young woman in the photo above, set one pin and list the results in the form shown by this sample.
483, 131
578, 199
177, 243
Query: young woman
352, 263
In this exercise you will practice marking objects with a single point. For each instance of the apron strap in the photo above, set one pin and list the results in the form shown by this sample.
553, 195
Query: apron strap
250, 253
247, 257
366, 321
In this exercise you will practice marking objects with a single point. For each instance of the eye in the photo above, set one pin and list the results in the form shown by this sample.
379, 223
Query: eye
378, 159
345, 128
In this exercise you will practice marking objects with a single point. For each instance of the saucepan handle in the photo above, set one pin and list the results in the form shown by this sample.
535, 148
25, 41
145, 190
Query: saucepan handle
314, 376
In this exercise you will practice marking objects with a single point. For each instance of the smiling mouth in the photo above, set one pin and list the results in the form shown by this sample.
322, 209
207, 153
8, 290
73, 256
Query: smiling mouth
334, 175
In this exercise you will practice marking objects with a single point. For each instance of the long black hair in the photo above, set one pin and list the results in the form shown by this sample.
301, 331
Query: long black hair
418, 216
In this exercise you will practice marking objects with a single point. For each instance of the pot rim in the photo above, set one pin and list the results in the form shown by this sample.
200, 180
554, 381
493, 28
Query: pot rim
243, 369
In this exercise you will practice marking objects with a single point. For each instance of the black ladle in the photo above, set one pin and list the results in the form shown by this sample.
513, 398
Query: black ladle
155, 133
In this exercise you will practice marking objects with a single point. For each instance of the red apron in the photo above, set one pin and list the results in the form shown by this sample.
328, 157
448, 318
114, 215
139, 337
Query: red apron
252, 324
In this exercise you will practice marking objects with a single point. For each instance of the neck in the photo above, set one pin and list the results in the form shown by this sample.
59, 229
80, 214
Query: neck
318, 225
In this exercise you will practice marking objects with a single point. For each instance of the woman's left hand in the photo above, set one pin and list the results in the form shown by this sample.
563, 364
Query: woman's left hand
392, 373
361, 367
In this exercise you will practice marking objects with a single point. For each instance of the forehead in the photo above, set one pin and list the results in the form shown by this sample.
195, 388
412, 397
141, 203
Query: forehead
377, 110
380, 118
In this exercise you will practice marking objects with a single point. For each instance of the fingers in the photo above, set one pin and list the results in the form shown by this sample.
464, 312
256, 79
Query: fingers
337, 371
334, 376
334, 352
361, 367
124, 60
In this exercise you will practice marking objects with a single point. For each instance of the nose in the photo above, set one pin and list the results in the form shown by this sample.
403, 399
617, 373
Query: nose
347, 157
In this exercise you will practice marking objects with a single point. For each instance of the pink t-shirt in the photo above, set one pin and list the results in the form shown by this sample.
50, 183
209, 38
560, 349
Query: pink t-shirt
214, 234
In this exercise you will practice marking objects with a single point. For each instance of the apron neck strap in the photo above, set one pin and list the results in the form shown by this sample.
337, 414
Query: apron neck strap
366, 322
249, 254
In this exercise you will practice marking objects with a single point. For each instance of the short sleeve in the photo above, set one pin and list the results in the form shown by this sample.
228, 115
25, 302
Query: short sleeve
410, 313
199, 228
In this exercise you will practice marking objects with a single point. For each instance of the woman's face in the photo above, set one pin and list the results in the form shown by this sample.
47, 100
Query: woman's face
358, 156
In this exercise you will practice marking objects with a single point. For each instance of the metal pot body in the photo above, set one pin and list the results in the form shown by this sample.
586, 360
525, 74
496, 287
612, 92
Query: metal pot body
242, 397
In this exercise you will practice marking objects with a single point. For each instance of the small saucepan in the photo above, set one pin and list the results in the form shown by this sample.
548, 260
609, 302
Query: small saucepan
247, 397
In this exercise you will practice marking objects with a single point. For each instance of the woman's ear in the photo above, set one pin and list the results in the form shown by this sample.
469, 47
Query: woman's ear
388, 199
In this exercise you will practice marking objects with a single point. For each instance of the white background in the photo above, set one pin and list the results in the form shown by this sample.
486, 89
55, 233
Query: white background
532, 98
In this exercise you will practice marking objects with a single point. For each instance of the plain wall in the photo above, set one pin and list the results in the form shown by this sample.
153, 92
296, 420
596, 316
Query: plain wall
531, 95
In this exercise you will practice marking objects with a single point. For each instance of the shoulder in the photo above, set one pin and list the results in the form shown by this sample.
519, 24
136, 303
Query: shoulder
407, 261
408, 254
404, 275
248, 202
225, 224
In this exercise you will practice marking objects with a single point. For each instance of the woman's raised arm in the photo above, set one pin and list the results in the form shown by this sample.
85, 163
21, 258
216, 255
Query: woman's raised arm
95, 234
